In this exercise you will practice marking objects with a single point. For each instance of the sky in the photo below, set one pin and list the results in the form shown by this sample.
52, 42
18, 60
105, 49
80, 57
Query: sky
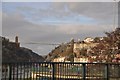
56, 22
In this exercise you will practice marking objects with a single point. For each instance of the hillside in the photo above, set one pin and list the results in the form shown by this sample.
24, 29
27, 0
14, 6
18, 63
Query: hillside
100, 49
11, 52
63, 50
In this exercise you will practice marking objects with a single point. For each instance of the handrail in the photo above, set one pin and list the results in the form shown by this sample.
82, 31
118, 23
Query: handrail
54, 70
61, 62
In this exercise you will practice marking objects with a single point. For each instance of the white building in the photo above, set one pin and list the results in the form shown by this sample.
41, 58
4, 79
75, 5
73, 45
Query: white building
88, 40
81, 60
79, 46
60, 59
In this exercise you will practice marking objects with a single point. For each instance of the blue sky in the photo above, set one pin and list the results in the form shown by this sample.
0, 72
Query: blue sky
29, 11
55, 22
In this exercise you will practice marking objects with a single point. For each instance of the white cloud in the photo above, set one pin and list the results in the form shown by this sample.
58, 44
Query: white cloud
16, 24
101, 12
77, 28
68, 29
59, 0
0, 23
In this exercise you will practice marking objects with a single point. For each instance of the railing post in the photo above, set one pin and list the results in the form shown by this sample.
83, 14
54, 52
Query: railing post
84, 71
10, 71
106, 72
53, 71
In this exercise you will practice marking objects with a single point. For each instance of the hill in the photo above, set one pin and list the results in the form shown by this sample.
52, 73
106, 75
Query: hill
63, 50
12, 52
98, 49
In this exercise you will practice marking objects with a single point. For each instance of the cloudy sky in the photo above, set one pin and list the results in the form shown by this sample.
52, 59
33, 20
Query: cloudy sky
56, 22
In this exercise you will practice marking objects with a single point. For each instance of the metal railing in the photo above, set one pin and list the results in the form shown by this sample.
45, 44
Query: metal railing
60, 71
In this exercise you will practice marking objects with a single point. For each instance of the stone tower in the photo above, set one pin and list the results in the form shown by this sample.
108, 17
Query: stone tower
17, 42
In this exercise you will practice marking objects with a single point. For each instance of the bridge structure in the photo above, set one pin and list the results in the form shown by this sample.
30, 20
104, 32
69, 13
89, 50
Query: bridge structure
60, 71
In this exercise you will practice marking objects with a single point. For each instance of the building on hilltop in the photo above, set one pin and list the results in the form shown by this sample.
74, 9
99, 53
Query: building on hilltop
60, 59
88, 40
81, 60
17, 42
86, 44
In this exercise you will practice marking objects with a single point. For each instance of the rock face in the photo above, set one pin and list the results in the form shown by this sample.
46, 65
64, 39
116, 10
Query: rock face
12, 53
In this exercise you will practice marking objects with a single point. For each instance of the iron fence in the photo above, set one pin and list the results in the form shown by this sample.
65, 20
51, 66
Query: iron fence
60, 71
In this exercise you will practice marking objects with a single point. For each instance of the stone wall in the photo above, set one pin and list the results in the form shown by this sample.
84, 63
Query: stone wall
78, 46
